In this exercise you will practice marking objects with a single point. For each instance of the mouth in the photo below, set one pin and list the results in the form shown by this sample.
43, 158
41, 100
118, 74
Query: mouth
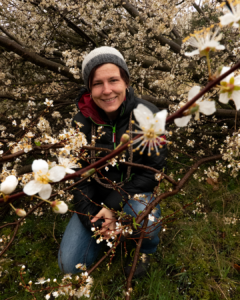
109, 100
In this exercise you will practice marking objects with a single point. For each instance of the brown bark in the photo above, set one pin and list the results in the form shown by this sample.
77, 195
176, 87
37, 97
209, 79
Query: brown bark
36, 59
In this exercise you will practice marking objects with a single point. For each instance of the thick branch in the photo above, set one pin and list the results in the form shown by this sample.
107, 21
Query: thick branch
198, 9
36, 59
11, 36
74, 27
162, 40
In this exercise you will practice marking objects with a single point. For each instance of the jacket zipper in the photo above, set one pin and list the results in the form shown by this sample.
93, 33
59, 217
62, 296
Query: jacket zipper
113, 131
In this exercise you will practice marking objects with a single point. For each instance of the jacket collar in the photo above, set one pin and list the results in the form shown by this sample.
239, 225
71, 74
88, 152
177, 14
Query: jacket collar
90, 110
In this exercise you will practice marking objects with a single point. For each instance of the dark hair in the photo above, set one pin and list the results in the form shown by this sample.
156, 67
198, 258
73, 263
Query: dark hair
123, 75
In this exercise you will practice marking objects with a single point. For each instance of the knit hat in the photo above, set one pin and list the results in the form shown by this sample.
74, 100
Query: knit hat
102, 55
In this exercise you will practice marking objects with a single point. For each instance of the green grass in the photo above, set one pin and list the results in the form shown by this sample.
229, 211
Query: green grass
195, 258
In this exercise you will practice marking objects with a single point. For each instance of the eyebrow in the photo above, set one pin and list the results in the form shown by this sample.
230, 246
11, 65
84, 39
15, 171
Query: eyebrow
113, 77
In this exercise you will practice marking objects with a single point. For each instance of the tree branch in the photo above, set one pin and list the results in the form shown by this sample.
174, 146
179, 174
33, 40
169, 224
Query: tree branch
135, 259
163, 41
36, 59
74, 27
198, 9
11, 36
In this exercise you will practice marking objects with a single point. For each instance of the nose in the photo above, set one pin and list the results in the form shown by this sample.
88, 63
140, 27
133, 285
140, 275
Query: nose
107, 88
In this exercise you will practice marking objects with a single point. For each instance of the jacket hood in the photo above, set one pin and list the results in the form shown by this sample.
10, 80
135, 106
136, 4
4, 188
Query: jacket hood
90, 110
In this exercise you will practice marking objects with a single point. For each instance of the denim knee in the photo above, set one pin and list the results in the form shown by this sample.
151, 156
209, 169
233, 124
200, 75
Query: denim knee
77, 246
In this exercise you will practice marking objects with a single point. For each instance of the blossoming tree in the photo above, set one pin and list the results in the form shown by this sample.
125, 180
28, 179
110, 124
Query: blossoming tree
182, 71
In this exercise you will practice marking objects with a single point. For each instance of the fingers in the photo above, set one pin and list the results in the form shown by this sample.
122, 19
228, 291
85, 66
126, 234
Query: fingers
97, 217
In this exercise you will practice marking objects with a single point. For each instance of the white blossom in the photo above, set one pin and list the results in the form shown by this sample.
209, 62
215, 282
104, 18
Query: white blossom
151, 125
204, 40
9, 185
204, 106
230, 88
55, 294
59, 207
151, 218
67, 164
231, 17
48, 102
42, 177
41, 280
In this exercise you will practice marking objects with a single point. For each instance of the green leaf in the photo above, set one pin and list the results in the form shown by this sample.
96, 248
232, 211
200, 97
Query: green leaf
37, 143
231, 81
135, 224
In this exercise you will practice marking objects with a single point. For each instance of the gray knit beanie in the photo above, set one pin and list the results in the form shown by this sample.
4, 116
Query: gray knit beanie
100, 56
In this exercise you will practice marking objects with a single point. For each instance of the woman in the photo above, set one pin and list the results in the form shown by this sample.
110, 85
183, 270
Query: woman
106, 107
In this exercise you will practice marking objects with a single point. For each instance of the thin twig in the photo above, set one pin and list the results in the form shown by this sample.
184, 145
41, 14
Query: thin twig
10, 242
135, 260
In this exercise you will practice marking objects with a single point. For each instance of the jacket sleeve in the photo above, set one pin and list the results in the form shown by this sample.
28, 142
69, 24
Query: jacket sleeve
142, 181
84, 206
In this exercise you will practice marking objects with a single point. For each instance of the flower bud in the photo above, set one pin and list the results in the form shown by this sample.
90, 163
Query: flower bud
124, 138
194, 108
88, 173
59, 207
9, 185
20, 212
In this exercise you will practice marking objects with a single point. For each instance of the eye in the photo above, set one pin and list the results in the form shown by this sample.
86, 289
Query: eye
97, 83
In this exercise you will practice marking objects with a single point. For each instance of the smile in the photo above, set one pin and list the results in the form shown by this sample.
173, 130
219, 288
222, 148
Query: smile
108, 100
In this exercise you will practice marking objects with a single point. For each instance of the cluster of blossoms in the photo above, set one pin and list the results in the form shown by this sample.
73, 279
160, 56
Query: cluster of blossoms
77, 286
119, 228
43, 174
67, 287
231, 153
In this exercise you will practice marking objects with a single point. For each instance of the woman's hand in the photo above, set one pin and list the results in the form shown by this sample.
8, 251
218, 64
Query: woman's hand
109, 224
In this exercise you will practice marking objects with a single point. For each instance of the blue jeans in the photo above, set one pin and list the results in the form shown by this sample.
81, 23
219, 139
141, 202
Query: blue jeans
78, 245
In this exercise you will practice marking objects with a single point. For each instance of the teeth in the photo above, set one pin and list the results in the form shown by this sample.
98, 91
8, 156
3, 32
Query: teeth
110, 99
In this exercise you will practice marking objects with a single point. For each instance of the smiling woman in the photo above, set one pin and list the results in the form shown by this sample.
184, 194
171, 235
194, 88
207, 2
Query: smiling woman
106, 106
108, 89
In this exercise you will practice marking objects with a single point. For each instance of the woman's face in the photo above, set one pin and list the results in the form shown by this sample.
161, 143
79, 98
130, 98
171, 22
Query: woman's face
108, 89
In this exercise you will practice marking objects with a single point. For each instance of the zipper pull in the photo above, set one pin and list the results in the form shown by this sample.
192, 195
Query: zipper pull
114, 136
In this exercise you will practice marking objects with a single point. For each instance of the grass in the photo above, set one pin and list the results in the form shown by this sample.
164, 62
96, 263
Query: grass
197, 257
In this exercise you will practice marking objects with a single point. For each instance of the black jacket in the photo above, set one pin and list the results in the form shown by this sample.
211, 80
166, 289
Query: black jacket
141, 181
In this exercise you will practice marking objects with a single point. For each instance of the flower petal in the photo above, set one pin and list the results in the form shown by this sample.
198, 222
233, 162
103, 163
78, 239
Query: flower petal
32, 187
160, 117
46, 191
9, 185
227, 78
56, 173
193, 92
227, 19
40, 164
237, 80
195, 52
143, 115
69, 171
59, 207
207, 107
224, 98
181, 122
236, 99
220, 47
